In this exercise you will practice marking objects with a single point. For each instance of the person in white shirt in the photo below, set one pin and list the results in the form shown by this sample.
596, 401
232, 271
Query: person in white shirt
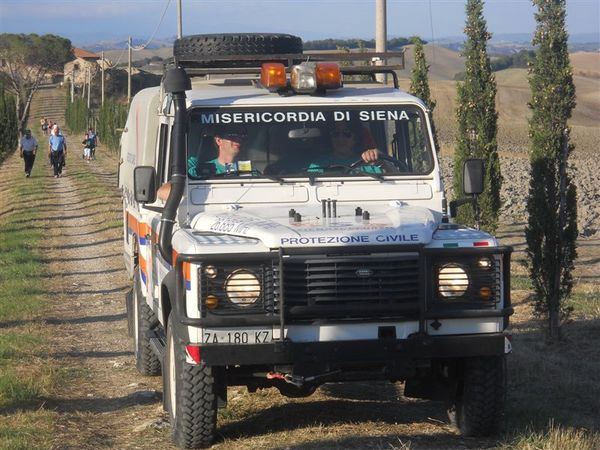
28, 147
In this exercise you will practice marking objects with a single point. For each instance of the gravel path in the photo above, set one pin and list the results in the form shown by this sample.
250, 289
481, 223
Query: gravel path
106, 404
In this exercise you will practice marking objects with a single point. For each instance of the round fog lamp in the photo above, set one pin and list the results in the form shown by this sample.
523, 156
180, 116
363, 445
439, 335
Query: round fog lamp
242, 287
453, 281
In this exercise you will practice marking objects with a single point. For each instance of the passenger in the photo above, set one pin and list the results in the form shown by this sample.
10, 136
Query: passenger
229, 141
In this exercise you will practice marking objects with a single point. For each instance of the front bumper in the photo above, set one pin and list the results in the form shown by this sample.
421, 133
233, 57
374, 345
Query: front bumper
338, 354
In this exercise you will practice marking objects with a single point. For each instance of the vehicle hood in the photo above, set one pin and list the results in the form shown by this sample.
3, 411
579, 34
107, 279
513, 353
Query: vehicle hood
398, 224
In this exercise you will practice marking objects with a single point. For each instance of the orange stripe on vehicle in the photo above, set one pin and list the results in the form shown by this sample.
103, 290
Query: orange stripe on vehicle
174, 256
132, 223
143, 264
144, 229
187, 271
187, 275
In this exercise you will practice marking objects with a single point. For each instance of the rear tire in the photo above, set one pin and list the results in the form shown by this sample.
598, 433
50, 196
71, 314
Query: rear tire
205, 49
478, 407
144, 320
190, 397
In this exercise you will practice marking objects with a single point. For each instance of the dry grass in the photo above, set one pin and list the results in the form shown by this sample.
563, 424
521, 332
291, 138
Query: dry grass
555, 437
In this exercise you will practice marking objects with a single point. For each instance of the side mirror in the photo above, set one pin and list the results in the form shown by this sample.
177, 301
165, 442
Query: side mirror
473, 174
144, 184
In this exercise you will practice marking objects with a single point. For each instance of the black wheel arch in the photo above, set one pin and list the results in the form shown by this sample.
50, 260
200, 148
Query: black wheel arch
167, 296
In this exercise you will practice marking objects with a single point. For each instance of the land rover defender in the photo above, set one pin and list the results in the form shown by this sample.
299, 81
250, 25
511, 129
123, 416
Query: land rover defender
289, 265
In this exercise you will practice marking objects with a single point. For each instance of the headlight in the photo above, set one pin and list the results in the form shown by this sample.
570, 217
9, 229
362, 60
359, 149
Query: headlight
453, 281
242, 287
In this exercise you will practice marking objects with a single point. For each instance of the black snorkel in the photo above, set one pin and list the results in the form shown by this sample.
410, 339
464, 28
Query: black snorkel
176, 82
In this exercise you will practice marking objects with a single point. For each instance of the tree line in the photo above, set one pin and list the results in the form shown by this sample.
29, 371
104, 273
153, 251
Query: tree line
108, 119
333, 44
8, 118
27, 59
519, 60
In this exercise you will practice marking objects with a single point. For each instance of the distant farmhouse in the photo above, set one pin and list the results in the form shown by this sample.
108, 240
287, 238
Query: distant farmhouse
85, 62
90, 64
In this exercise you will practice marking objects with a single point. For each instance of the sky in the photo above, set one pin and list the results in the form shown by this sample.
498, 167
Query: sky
92, 20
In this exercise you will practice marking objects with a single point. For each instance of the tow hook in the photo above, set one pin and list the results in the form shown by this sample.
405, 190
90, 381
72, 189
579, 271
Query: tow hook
295, 379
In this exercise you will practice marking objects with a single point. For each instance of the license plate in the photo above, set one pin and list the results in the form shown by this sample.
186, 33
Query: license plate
237, 336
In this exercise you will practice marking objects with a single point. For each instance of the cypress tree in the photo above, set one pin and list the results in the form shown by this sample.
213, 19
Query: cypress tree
419, 83
552, 225
111, 119
477, 121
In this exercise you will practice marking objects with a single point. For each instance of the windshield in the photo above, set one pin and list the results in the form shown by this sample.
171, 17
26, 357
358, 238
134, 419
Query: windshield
301, 142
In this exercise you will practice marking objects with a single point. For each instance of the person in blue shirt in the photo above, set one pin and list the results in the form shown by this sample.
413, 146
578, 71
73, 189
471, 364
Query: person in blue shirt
57, 150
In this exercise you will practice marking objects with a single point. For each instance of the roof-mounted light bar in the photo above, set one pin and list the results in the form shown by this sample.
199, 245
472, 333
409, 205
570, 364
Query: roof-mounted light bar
305, 78
272, 76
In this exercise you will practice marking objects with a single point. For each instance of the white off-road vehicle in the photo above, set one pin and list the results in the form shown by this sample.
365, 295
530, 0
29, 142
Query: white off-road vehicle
320, 251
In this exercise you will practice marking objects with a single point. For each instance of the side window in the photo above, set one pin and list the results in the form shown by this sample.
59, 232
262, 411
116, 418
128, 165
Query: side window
420, 160
162, 153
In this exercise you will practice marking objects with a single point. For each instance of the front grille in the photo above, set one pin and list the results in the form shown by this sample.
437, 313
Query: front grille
351, 286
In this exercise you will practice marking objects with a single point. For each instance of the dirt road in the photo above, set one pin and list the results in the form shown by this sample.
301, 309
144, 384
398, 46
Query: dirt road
104, 404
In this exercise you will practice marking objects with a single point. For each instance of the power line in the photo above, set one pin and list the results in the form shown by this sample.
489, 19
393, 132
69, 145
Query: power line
142, 47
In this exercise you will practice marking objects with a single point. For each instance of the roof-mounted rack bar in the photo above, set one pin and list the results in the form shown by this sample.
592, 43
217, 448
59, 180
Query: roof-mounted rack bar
250, 64
371, 71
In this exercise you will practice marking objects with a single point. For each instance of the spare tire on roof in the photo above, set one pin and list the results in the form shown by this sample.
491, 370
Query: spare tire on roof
213, 49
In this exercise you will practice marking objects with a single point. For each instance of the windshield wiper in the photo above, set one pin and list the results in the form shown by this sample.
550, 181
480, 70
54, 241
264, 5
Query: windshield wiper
253, 174
272, 177
350, 170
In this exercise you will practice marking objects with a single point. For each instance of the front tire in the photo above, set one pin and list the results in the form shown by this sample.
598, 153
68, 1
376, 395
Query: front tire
144, 320
479, 403
190, 397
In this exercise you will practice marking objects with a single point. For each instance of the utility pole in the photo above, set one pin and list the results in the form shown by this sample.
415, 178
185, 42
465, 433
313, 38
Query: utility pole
179, 21
89, 74
73, 84
381, 34
129, 72
83, 87
102, 81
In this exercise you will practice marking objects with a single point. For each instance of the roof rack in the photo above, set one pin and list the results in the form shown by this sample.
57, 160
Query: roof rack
251, 64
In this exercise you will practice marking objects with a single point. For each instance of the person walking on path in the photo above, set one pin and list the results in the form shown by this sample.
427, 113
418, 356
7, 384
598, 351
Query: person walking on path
57, 150
44, 123
90, 140
28, 148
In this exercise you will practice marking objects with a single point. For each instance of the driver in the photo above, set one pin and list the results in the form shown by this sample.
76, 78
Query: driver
348, 145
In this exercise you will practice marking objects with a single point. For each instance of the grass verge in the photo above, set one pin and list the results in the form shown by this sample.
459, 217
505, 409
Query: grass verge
25, 377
